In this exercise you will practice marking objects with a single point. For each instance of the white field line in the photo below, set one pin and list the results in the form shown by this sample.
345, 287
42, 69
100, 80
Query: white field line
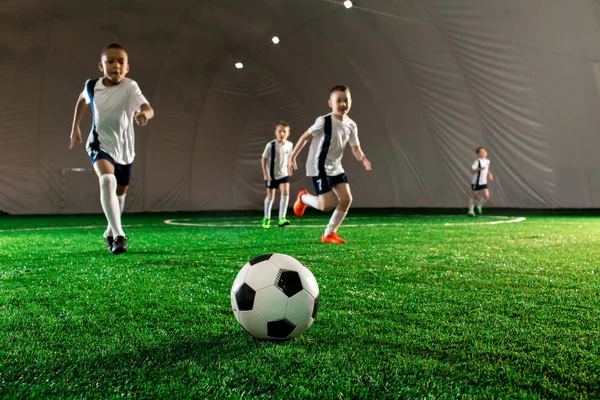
65, 228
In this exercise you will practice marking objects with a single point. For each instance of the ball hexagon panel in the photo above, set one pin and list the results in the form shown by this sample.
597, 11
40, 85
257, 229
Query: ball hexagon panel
270, 304
253, 323
259, 259
309, 283
300, 308
244, 298
240, 278
284, 261
262, 275
300, 329
288, 282
316, 307
279, 329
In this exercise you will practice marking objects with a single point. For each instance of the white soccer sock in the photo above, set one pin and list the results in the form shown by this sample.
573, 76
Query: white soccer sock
268, 206
283, 206
110, 203
471, 205
121, 199
334, 223
482, 201
310, 200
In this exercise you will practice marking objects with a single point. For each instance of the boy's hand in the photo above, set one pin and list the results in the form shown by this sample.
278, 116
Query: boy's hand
491, 177
292, 166
141, 119
75, 136
366, 163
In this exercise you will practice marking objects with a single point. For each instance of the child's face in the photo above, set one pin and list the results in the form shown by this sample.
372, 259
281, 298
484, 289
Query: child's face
482, 153
282, 133
114, 64
340, 102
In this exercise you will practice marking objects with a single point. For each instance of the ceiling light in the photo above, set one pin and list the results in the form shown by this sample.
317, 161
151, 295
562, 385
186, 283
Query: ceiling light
275, 40
347, 4
239, 65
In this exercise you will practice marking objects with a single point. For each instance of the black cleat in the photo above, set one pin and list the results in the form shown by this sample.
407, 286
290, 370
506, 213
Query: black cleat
119, 245
109, 242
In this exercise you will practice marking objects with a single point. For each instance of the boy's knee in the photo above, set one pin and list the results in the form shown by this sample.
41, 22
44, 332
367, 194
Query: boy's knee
108, 182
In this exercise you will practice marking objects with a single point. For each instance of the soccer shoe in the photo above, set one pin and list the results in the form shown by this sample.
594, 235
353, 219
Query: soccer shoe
471, 214
283, 222
299, 206
119, 245
332, 238
479, 211
266, 223
109, 242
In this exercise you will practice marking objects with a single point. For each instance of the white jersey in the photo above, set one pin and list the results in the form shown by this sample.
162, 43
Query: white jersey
327, 147
480, 177
114, 109
277, 156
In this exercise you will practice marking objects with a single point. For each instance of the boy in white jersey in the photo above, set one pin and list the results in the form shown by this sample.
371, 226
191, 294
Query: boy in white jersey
116, 102
479, 183
330, 134
274, 162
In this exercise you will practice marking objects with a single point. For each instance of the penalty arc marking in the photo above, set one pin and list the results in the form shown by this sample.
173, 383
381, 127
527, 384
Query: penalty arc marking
185, 222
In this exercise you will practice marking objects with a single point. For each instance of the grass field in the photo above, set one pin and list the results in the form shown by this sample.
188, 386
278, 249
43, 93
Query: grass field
412, 307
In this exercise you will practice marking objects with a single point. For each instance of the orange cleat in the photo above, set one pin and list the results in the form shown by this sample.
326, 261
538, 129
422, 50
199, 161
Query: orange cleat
333, 238
299, 206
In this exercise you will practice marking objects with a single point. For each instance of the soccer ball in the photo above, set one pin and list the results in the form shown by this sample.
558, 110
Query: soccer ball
274, 296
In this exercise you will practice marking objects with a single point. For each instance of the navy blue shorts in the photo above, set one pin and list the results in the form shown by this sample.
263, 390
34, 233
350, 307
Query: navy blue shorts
274, 184
122, 172
477, 188
324, 184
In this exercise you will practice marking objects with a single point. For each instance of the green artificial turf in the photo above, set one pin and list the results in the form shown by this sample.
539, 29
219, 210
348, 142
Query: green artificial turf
411, 307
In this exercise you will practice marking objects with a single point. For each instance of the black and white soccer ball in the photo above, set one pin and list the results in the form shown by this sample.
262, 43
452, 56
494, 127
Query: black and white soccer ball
274, 296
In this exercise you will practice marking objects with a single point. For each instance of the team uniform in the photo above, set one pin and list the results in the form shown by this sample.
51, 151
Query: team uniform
112, 137
329, 139
479, 182
277, 156
324, 165
480, 179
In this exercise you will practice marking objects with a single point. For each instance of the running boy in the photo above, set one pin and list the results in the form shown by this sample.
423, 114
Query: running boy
330, 134
481, 173
274, 162
116, 102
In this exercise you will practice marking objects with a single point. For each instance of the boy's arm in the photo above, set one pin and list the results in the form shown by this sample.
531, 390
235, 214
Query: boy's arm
361, 157
263, 164
304, 139
145, 114
75, 129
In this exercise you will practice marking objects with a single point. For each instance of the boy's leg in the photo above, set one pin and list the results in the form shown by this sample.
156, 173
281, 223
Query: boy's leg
121, 193
344, 195
268, 207
324, 201
284, 200
108, 195
484, 198
472, 203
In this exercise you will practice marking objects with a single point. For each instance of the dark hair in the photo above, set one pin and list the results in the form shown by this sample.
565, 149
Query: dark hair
112, 46
477, 150
339, 88
282, 123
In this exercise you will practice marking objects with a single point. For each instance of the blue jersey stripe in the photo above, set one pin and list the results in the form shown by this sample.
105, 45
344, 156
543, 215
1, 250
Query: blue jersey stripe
273, 160
95, 145
325, 147
479, 173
